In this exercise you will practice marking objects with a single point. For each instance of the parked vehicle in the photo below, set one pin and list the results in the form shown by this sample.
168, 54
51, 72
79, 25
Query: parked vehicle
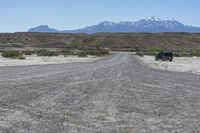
164, 55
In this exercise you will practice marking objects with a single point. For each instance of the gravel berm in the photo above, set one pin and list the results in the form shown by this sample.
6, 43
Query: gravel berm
117, 94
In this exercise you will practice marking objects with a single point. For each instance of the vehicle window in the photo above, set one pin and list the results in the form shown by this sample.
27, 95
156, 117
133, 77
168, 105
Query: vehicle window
168, 54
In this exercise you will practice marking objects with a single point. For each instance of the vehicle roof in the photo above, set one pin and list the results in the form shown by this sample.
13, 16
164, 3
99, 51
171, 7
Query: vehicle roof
165, 52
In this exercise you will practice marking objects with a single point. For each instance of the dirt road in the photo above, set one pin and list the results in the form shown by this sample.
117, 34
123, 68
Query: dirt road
117, 94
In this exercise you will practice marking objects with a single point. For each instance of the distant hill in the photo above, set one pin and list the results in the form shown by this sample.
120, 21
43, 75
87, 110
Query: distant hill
152, 25
112, 41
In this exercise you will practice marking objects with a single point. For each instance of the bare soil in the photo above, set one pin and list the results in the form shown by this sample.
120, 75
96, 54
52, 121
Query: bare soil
118, 94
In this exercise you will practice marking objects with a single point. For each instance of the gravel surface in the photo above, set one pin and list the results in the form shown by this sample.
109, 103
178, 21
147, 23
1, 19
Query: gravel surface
117, 94
179, 64
42, 60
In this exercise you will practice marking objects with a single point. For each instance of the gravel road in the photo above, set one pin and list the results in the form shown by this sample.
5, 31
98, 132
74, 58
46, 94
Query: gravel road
117, 94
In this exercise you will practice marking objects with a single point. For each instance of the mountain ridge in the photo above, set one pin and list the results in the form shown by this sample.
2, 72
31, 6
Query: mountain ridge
152, 25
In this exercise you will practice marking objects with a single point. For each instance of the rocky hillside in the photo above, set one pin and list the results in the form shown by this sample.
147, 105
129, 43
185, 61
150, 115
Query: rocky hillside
113, 41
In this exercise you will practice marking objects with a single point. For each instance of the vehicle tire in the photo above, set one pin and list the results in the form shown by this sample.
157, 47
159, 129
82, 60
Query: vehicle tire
156, 59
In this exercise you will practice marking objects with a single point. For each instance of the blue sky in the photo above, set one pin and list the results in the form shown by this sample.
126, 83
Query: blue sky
20, 15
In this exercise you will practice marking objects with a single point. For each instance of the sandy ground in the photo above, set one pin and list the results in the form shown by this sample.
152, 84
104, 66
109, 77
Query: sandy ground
116, 94
179, 64
38, 60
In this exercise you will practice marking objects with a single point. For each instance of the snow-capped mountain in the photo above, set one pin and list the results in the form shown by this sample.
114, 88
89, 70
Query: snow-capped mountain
151, 24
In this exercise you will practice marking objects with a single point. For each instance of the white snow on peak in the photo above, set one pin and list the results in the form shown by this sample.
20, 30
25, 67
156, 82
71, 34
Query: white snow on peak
125, 23
174, 20
108, 23
153, 18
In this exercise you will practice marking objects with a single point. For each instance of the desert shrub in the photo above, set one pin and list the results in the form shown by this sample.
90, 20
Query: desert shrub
97, 50
185, 52
67, 52
21, 57
12, 54
27, 52
152, 51
181, 52
82, 54
45, 52
195, 52
104, 52
92, 52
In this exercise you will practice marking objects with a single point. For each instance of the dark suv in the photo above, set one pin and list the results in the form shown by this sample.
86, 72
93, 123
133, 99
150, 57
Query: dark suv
165, 55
